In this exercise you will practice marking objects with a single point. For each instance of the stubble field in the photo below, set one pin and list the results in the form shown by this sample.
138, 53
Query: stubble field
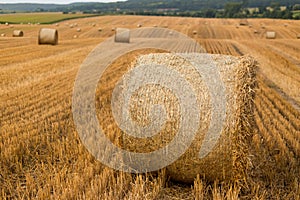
42, 156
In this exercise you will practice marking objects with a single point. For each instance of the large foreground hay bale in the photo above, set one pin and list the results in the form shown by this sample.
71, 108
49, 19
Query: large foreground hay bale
270, 35
229, 159
48, 36
122, 35
18, 33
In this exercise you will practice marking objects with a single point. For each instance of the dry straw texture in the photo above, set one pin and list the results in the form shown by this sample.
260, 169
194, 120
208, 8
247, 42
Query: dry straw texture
48, 36
270, 35
122, 35
18, 33
229, 159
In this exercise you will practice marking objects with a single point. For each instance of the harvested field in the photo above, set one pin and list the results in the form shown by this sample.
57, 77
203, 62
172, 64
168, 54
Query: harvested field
42, 155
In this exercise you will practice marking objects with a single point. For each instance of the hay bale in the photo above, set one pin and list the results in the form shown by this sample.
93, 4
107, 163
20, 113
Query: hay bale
122, 35
298, 36
18, 33
75, 36
244, 22
71, 26
99, 29
78, 30
6, 23
194, 32
139, 25
48, 36
270, 35
228, 160
3, 34
255, 31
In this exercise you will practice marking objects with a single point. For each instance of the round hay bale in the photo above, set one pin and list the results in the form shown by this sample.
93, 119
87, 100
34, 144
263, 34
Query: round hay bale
298, 36
270, 35
139, 25
78, 30
228, 160
71, 26
113, 29
255, 31
93, 24
57, 24
75, 36
18, 33
48, 36
3, 34
99, 29
244, 22
195, 32
7, 24
122, 35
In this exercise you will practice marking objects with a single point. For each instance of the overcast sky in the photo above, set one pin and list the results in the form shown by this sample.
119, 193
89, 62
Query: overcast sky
55, 1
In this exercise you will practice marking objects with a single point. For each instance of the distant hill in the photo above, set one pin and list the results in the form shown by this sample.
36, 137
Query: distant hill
144, 6
28, 7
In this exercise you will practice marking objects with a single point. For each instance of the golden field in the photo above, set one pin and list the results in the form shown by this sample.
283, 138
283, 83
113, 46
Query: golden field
42, 156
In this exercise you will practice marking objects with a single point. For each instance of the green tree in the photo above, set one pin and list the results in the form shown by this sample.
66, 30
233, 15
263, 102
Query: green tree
233, 9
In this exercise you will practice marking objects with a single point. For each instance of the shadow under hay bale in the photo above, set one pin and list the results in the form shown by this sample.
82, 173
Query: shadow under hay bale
18, 33
122, 35
270, 35
229, 159
48, 36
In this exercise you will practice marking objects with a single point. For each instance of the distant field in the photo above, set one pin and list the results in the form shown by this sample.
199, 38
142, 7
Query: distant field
42, 18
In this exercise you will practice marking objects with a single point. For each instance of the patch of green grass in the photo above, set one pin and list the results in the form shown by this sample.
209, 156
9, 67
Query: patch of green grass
42, 18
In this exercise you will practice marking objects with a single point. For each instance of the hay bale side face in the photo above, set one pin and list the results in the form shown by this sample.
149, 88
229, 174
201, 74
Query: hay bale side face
18, 33
270, 35
298, 36
48, 36
228, 160
122, 35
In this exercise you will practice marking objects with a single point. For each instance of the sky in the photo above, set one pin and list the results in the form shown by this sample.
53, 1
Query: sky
55, 1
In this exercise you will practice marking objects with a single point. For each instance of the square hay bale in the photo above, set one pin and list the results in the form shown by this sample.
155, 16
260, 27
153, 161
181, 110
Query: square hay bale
228, 160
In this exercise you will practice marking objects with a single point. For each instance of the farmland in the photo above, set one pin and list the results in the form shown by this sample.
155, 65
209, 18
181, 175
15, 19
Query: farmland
41, 18
42, 156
